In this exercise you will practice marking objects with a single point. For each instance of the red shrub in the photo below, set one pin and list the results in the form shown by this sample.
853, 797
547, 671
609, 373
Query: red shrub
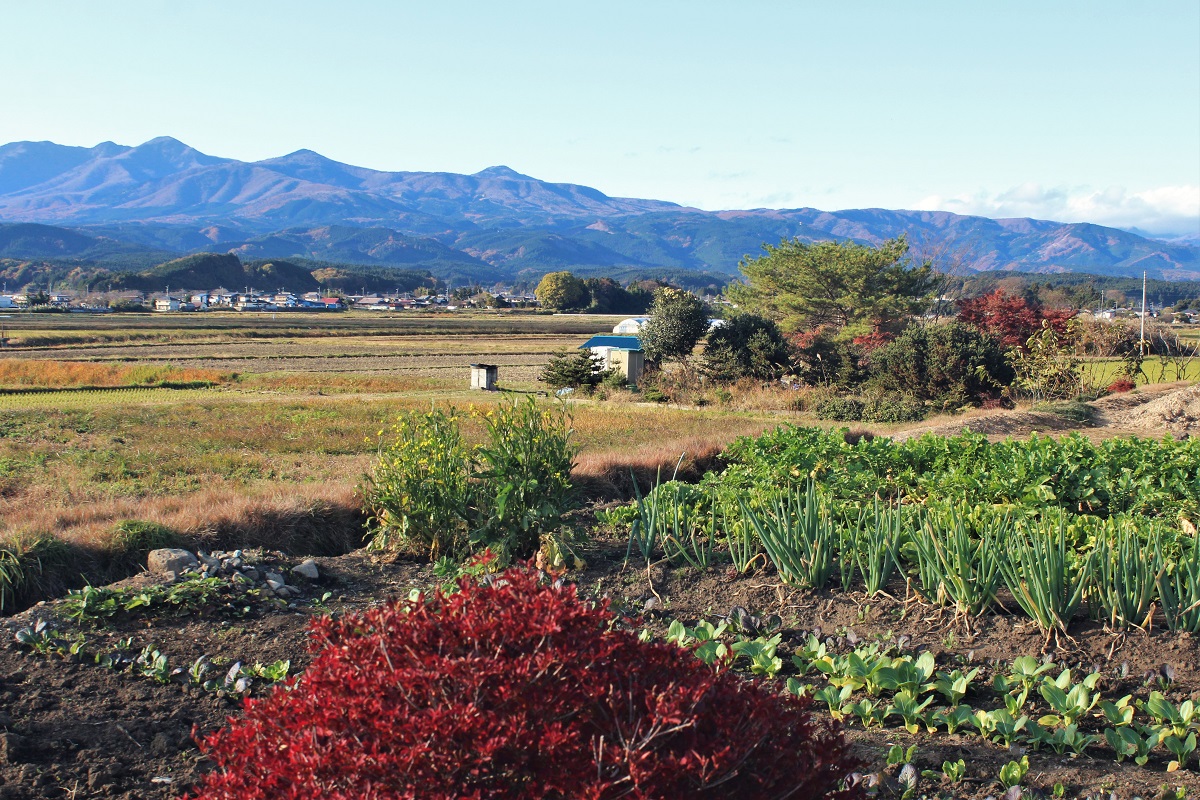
1011, 319
1121, 385
515, 690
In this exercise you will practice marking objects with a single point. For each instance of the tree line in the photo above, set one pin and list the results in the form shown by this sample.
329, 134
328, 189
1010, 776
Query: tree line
563, 291
868, 324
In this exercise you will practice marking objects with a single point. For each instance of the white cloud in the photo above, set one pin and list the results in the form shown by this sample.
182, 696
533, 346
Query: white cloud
1165, 210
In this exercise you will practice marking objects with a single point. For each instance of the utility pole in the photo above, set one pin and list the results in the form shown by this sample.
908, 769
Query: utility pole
1142, 335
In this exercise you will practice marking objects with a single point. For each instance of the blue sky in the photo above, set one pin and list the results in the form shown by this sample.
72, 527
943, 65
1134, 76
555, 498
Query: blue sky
1061, 110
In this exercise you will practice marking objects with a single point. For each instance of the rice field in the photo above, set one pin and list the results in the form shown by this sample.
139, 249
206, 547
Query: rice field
1102, 372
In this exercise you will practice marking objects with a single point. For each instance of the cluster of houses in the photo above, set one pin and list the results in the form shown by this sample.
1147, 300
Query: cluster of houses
251, 300
244, 301
22, 300
405, 301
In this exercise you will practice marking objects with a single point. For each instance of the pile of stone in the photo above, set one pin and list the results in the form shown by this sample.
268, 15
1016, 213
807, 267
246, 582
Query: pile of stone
172, 563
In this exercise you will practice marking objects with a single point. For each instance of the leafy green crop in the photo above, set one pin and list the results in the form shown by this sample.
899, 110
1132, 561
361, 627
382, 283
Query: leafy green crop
1102, 478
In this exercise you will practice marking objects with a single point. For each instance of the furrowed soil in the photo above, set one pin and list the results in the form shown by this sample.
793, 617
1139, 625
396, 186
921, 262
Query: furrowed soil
72, 729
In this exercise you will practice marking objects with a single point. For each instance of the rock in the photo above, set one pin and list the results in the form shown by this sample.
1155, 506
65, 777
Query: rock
274, 585
274, 576
170, 559
307, 569
251, 573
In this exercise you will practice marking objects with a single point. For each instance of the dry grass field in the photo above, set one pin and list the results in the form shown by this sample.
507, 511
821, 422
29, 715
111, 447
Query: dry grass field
227, 426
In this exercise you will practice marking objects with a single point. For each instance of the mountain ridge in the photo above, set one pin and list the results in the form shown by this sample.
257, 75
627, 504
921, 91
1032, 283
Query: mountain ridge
168, 196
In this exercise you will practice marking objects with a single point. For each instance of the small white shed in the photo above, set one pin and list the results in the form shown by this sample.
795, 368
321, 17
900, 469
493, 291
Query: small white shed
483, 377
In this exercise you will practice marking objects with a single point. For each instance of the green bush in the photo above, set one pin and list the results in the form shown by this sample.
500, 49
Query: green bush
431, 494
652, 394
525, 476
1047, 369
127, 305
892, 408
420, 495
746, 346
136, 534
614, 379
12, 577
579, 369
950, 364
823, 359
840, 409
38, 569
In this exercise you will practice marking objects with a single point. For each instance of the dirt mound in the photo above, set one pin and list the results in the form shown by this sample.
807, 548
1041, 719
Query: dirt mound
998, 423
1156, 410
1177, 412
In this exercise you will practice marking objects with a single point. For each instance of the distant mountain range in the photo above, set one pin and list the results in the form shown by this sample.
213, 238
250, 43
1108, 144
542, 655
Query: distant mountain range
163, 199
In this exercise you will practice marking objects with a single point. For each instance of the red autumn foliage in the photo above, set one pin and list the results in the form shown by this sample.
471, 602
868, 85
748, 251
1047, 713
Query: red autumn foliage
514, 689
873, 340
1121, 385
1011, 319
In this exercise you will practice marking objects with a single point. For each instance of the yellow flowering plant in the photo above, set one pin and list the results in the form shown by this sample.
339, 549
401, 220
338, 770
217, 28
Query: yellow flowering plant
420, 494
431, 494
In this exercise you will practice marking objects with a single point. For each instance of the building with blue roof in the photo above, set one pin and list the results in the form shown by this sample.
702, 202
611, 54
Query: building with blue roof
622, 353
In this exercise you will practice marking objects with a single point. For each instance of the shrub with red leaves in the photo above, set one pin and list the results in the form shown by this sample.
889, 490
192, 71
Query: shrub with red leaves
1011, 319
514, 689
1121, 385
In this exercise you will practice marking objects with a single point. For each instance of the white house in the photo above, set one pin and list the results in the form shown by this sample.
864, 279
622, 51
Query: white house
6, 301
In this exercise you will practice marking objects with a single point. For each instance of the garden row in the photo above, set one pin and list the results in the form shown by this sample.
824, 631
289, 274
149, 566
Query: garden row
1052, 562
1028, 702
1059, 522
1154, 478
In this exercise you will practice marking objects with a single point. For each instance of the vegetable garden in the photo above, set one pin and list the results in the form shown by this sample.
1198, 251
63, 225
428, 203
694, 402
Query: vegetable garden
1051, 529
979, 618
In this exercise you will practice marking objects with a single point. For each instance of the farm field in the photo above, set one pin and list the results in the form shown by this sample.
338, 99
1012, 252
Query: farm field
68, 330
203, 435
235, 438
1102, 372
